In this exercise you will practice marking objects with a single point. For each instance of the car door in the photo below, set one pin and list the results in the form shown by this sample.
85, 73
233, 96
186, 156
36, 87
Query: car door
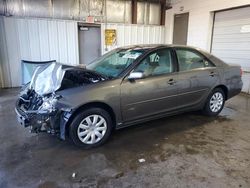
197, 75
155, 92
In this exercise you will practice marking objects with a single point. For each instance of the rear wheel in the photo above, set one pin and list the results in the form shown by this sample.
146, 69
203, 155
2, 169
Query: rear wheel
215, 102
91, 128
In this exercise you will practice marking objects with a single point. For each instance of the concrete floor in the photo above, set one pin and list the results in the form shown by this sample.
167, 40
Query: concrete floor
187, 150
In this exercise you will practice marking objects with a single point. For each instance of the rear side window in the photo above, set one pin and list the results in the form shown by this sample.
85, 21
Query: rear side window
189, 60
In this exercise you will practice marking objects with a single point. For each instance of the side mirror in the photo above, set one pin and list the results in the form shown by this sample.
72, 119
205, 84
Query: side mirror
135, 75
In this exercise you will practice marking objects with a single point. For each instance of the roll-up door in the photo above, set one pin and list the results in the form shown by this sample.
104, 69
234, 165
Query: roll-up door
231, 39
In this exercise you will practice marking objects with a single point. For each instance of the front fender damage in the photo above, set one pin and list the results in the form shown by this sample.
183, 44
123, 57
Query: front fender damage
65, 116
42, 106
43, 114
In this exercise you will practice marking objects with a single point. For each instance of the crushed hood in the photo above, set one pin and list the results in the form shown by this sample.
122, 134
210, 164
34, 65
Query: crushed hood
52, 77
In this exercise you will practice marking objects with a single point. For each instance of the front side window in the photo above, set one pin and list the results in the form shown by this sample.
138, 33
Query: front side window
189, 60
115, 62
157, 63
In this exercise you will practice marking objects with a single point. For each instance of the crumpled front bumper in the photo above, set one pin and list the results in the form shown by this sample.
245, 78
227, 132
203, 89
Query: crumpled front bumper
39, 121
43, 121
22, 118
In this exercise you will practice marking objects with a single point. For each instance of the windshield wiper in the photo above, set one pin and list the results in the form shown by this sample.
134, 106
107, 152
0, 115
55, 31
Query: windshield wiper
110, 77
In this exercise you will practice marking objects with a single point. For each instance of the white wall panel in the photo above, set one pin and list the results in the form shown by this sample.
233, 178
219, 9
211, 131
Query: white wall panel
120, 35
72, 36
146, 35
130, 34
53, 40
23, 37
140, 30
4, 61
133, 35
13, 52
34, 40
43, 39
62, 42
127, 35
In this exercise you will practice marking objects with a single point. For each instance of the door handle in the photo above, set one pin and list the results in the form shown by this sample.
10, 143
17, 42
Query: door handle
212, 74
171, 81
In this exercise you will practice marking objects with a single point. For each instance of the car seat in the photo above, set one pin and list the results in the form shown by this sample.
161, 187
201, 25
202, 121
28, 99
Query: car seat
164, 64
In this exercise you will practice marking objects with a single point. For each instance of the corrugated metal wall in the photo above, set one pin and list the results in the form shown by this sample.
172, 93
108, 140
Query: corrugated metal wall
46, 39
4, 60
129, 34
111, 11
35, 40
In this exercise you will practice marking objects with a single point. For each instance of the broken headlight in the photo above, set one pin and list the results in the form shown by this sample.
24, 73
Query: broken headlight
49, 104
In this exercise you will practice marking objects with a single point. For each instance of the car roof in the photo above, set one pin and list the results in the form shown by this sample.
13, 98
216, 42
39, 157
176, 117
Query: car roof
147, 47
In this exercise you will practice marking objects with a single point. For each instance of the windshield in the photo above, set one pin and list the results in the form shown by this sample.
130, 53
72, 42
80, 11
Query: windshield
115, 62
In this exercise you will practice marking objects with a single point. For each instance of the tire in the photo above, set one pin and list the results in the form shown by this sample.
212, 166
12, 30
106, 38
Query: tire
86, 124
215, 102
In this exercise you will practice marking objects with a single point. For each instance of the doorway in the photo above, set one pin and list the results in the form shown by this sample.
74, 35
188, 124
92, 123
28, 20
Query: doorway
89, 43
180, 29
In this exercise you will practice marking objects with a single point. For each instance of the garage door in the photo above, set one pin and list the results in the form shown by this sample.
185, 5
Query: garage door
231, 39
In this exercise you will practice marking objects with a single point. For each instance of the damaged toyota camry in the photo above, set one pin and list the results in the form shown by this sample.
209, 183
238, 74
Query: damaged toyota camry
126, 86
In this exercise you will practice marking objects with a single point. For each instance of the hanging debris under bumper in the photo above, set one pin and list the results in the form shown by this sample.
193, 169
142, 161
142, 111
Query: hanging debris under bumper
39, 120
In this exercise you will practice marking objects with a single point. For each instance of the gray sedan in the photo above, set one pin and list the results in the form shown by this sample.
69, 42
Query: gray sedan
126, 86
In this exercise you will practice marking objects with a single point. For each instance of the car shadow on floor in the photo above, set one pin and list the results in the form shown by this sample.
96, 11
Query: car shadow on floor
157, 130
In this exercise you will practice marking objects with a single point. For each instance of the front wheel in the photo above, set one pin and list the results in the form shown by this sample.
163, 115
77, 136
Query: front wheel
91, 128
215, 102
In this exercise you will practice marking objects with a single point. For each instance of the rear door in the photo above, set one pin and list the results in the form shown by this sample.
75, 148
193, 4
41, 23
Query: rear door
197, 75
156, 92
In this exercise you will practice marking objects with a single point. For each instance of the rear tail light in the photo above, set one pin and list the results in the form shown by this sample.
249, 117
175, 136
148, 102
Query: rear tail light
241, 72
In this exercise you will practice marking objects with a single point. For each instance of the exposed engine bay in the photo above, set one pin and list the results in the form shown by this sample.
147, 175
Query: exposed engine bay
78, 77
38, 107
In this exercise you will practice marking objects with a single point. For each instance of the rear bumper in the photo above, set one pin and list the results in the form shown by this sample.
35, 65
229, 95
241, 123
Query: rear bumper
235, 90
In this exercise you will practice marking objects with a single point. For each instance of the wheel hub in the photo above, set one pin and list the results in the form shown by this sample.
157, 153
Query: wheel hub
92, 129
216, 102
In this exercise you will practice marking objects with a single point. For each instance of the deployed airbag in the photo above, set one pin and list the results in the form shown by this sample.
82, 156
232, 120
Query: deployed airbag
47, 79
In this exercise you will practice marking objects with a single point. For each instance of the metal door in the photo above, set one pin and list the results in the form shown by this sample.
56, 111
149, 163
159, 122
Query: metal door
197, 75
180, 29
89, 43
149, 96
195, 85
154, 94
